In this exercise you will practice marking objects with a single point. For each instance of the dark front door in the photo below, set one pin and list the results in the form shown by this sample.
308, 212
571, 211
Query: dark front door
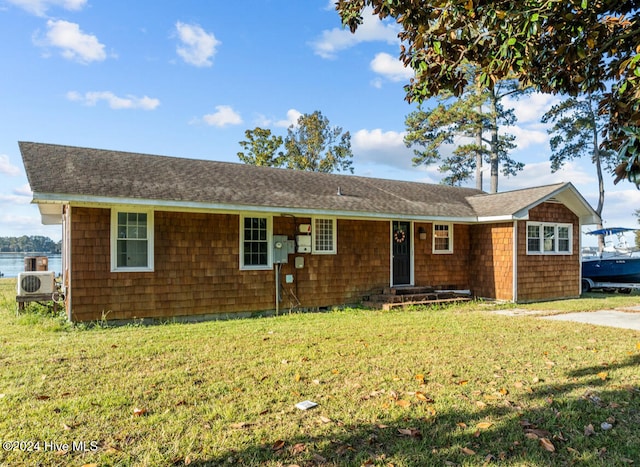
401, 241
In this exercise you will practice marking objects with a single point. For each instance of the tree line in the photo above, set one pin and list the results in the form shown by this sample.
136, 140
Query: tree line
26, 243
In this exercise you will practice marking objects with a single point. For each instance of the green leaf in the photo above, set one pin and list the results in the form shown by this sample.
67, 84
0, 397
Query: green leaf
512, 41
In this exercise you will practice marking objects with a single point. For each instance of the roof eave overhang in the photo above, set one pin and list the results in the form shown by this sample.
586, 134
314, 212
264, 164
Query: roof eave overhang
568, 195
51, 208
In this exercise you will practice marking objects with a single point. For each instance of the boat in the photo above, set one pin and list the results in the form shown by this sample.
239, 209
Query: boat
614, 266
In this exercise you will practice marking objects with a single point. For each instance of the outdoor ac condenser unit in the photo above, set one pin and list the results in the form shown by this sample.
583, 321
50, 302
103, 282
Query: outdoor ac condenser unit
36, 283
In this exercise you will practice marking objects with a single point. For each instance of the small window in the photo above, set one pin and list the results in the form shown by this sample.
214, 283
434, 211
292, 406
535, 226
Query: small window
255, 235
131, 240
564, 242
533, 237
442, 238
324, 236
549, 239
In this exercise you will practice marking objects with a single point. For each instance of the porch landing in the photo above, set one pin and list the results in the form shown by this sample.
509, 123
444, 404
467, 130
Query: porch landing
393, 297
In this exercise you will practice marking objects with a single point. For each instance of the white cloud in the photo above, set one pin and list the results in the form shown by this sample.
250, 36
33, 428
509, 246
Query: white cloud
15, 199
24, 190
390, 67
197, 46
539, 174
224, 115
40, 7
292, 119
371, 30
619, 207
7, 168
525, 137
381, 147
74, 44
115, 102
532, 107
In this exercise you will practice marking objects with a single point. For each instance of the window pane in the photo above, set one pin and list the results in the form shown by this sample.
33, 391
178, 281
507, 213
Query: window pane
533, 238
549, 238
323, 233
132, 245
441, 237
255, 241
563, 239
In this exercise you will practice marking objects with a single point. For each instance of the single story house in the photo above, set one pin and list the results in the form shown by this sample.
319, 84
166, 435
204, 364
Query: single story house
149, 236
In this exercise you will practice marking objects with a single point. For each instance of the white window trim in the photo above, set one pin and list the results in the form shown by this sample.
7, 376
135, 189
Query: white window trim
114, 239
334, 236
433, 239
555, 251
269, 264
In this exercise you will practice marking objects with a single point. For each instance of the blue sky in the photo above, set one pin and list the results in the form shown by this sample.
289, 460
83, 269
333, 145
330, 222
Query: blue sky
187, 78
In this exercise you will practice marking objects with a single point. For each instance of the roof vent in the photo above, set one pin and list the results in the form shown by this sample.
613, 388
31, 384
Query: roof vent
339, 193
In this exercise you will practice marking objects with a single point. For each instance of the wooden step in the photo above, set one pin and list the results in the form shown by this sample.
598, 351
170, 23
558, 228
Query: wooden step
412, 296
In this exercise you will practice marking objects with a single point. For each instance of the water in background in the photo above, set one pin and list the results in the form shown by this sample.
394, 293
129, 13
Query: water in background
11, 264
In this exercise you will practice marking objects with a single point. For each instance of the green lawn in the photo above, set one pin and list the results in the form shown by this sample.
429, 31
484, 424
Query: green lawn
448, 386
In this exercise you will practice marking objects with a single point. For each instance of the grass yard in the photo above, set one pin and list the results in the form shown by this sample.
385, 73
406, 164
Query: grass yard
453, 386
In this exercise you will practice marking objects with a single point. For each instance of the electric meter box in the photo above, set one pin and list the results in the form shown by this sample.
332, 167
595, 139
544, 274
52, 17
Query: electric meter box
282, 248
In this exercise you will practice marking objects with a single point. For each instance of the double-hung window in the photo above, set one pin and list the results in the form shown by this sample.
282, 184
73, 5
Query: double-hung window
255, 238
324, 236
442, 238
131, 240
548, 238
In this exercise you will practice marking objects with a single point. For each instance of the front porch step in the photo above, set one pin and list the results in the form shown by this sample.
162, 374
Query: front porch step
393, 297
409, 290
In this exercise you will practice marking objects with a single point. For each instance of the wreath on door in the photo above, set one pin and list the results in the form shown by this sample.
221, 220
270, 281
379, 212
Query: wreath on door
399, 236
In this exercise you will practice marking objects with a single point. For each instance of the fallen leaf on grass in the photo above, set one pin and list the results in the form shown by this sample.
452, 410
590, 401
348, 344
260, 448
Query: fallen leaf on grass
463, 382
484, 425
411, 432
547, 445
468, 452
240, 425
589, 430
536, 433
139, 412
420, 378
43, 398
298, 448
603, 375
403, 403
462, 425
324, 419
278, 445
424, 397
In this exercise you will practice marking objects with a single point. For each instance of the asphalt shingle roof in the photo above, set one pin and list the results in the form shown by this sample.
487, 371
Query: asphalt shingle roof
75, 173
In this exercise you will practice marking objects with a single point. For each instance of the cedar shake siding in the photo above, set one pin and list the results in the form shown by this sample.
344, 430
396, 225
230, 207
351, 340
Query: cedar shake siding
196, 207
546, 277
197, 269
491, 261
441, 270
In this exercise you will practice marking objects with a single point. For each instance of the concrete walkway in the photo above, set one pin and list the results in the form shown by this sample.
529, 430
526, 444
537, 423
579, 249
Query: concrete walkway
626, 318
614, 318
